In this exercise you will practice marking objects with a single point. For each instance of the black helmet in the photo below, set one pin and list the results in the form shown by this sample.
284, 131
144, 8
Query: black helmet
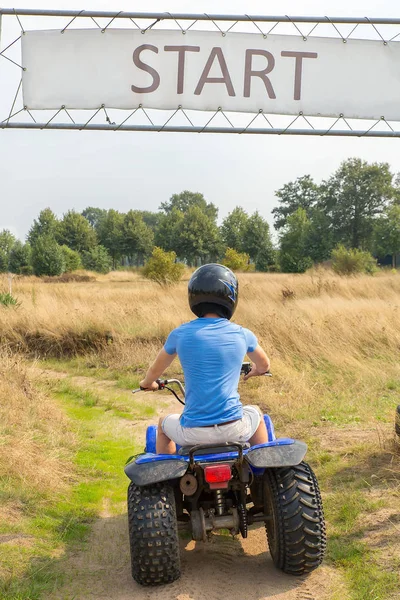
213, 288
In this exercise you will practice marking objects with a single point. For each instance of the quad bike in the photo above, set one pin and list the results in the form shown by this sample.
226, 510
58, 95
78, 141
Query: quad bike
230, 486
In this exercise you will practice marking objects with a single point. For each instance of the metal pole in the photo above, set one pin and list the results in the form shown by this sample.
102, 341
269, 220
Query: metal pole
196, 16
197, 129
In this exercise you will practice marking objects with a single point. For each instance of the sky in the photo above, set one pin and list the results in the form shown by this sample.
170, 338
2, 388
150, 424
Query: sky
72, 170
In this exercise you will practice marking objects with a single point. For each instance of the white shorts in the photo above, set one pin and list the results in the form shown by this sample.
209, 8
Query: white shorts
238, 431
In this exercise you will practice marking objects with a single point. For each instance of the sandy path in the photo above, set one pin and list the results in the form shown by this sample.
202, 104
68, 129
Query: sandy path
224, 568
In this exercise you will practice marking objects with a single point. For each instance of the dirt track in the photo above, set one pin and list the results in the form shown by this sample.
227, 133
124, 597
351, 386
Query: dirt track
225, 568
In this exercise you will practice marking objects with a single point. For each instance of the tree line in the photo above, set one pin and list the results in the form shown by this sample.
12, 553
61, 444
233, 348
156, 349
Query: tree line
357, 207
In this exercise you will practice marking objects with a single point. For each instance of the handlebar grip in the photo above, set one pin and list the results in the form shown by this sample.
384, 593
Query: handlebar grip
161, 385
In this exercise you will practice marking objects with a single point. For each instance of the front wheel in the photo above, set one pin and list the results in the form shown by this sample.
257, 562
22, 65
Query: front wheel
153, 534
296, 533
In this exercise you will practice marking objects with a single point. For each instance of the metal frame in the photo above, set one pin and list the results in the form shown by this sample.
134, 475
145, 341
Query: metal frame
104, 119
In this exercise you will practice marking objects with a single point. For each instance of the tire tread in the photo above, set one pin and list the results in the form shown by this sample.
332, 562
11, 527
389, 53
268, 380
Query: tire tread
153, 534
299, 524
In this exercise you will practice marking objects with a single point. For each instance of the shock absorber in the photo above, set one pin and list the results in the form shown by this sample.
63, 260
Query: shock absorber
219, 502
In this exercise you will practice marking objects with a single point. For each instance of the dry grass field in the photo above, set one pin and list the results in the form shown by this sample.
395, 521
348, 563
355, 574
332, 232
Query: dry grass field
334, 345
327, 336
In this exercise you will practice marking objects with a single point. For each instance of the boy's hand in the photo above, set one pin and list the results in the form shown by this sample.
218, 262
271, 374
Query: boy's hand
253, 373
149, 387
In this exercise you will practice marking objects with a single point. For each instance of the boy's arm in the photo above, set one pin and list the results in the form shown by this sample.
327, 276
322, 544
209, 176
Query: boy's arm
261, 363
158, 367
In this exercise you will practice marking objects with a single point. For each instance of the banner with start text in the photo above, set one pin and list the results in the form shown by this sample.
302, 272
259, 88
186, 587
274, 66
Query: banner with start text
162, 69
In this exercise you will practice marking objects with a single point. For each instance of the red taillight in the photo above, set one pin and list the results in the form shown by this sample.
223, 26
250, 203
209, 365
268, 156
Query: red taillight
217, 475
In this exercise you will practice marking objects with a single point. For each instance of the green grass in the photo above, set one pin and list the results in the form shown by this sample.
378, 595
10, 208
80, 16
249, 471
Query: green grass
93, 366
106, 399
57, 524
355, 487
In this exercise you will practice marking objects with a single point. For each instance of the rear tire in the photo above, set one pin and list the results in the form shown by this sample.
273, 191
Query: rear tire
153, 534
296, 534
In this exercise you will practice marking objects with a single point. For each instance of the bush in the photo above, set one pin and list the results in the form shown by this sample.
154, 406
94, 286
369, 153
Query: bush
47, 256
350, 262
162, 268
292, 263
20, 259
7, 299
97, 259
72, 259
237, 261
28, 270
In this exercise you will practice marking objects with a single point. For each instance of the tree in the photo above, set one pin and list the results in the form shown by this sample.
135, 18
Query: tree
387, 233
20, 258
150, 218
301, 193
233, 228
353, 197
138, 238
75, 231
293, 257
186, 200
47, 256
72, 259
266, 261
7, 241
319, 241
198, 237
192, 235
162, 268
3, 261
97, 259
257, 239
94, 215
46, 224
110, 233
167, 232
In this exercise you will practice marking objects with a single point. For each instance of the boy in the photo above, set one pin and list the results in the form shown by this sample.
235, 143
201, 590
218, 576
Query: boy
211, 351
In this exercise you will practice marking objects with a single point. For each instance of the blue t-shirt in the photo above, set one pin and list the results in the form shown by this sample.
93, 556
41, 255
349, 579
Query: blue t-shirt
211, 351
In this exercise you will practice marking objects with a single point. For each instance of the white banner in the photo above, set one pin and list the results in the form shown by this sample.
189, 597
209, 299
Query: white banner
84, 69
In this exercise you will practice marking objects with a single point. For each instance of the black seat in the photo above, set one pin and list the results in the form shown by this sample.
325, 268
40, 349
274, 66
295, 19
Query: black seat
184, 451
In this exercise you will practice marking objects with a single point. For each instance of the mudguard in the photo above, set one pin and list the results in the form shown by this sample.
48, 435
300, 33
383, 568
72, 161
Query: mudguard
279, 455
155, 471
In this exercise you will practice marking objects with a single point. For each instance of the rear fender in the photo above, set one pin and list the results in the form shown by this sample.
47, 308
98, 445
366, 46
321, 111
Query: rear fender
277, 454
155, 471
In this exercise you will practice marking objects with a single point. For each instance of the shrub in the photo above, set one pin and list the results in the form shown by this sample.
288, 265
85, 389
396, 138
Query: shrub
72, 259
97, 259
7, 299
350, 262
27, 270
292, 263
237, 261
20, 259
47, 256
162, 268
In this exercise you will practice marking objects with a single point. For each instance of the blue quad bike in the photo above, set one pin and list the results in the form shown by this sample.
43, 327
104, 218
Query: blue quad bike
232, 486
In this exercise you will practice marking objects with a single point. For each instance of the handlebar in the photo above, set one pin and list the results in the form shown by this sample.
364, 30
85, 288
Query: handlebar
162, 384
246, 368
